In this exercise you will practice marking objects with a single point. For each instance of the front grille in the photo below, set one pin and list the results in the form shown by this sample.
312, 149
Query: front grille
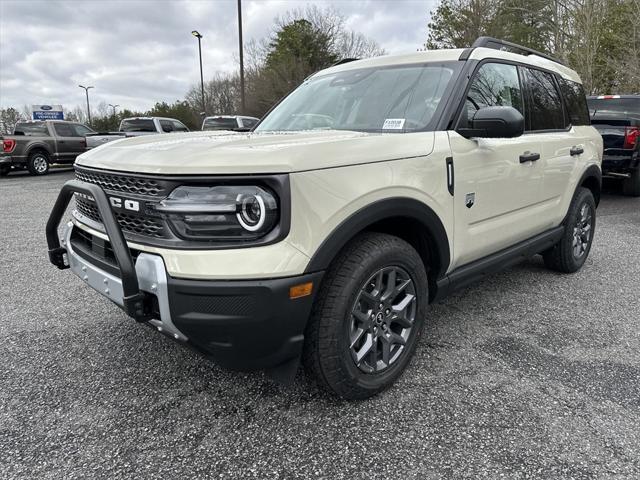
147, 226
123, 183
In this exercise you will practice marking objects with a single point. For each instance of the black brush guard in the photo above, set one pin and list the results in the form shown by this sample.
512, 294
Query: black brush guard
137, 304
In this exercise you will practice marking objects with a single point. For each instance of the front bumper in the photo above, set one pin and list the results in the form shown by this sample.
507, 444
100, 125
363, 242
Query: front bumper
240, 324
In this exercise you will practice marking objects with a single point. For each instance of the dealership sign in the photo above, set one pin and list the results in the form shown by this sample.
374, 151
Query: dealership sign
47, 112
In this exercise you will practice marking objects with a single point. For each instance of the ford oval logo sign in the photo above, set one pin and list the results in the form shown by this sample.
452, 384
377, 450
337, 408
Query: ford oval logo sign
46, 107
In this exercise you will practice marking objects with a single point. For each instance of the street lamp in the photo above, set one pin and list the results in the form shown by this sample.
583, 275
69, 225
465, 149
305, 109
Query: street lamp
86, 91
242, 104
114, 108
196, 34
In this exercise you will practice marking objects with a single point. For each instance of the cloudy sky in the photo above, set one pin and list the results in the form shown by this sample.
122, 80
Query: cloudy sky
136, 52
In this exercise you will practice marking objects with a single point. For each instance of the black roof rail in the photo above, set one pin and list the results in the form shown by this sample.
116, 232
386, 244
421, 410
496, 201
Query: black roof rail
497, 44
344, 60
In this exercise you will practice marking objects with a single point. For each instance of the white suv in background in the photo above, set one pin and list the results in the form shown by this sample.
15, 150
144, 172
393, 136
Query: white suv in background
375, 188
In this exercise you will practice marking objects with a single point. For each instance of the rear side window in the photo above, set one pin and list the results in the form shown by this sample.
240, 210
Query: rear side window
32, 129
220, 123
575, 101
610, 105
546, 105
494, 85
63, 130
138, 125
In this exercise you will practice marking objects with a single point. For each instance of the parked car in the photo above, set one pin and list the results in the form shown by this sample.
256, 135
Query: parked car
137, 126
617, 118
330, 244
35, 145
229, 122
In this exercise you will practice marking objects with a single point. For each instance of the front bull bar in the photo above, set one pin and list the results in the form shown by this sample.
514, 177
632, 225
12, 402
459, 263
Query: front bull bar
137, 304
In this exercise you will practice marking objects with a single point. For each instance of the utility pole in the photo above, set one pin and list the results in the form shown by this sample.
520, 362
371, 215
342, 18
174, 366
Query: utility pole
196, 34
240, 46
86, 91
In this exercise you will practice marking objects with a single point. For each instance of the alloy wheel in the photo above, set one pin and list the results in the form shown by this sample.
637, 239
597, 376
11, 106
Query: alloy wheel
40, 164
582, 231
382, 319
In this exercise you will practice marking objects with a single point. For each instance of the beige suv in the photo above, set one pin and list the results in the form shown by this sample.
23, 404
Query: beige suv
372, 190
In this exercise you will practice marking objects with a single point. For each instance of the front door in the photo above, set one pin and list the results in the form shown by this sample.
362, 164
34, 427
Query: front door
498, 192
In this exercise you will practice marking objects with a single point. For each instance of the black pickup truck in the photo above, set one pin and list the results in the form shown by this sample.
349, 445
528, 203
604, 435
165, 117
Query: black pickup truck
35, 145
617, 118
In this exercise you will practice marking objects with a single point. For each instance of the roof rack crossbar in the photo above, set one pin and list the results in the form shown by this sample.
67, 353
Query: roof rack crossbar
497, 44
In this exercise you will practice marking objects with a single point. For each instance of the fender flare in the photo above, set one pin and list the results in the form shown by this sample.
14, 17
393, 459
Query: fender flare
592, 172
383, 209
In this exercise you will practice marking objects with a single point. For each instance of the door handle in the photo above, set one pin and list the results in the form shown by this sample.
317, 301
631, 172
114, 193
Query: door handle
576, 151
529, 157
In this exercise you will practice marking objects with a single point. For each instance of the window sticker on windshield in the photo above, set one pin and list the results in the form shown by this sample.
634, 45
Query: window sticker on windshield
393, 124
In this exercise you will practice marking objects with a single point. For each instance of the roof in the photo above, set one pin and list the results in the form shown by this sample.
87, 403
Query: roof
447, 55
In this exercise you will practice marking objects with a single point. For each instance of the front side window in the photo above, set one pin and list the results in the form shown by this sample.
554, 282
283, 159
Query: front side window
81, 130
546, 105
494, 85
179, 126
167, 126
249, 122
377, 99
576, 102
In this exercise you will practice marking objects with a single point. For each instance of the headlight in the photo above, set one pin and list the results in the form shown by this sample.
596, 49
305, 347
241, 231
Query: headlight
220, 213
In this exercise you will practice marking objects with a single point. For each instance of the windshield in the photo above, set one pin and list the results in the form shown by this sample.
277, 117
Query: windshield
398, 99
219, 123
138, 125
624, 106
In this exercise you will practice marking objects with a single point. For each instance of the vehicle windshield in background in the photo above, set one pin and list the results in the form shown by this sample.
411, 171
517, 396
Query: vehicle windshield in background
34, 129
139, 125
219, 123
397, 99
625, 106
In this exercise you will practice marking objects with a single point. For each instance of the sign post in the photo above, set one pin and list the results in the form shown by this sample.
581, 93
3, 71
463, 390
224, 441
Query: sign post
47, 112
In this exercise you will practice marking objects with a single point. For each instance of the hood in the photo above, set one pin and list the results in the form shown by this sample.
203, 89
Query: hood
253, 153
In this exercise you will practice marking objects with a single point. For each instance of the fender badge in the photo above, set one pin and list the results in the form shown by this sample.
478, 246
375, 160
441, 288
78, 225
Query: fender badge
470, 199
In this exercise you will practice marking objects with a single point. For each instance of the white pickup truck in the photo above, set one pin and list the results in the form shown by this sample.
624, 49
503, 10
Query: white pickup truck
137, 126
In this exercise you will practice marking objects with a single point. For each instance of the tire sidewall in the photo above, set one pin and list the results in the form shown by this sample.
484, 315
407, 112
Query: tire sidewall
412, 264
583, 197
32, 159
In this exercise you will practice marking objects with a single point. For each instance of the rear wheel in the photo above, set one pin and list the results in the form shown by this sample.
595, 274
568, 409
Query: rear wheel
38, 163
4, 171
631, 185
572, 250
368, 317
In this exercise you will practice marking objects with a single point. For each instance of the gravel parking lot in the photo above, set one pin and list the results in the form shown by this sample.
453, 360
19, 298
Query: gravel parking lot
529, 374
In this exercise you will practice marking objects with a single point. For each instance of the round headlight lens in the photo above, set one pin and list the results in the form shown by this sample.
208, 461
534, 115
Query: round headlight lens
252, 212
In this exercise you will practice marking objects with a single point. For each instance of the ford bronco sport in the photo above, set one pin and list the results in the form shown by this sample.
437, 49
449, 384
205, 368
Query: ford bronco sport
372, 190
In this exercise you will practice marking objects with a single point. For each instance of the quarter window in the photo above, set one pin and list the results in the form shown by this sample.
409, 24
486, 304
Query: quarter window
494, 85
546, 105
576, 102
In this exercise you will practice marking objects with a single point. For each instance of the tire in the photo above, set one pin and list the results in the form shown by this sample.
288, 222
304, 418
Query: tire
357, 282
38, 163
4, 171
570, 253
631, 185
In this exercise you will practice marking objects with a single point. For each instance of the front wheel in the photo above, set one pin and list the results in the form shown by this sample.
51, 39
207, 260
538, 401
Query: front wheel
38, 163
368, 317
572, 250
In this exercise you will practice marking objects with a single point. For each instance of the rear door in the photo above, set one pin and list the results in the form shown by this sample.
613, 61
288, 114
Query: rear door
66, 148
548, 124
497, 196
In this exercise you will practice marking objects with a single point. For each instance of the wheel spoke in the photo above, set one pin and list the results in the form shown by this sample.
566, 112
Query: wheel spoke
355, 338
366, 348
391, 285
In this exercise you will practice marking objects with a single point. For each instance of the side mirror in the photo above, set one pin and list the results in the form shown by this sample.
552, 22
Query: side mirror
495, 122
167, 128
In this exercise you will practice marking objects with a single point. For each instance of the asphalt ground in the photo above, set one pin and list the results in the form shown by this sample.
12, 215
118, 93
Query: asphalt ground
528, 374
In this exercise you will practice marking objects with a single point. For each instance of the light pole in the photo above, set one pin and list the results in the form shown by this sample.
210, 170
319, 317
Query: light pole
114, 108
86, 91
242, 105
196, 34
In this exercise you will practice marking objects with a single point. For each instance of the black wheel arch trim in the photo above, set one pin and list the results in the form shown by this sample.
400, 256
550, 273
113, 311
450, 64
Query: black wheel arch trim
38, 146
592, 172
375, 212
